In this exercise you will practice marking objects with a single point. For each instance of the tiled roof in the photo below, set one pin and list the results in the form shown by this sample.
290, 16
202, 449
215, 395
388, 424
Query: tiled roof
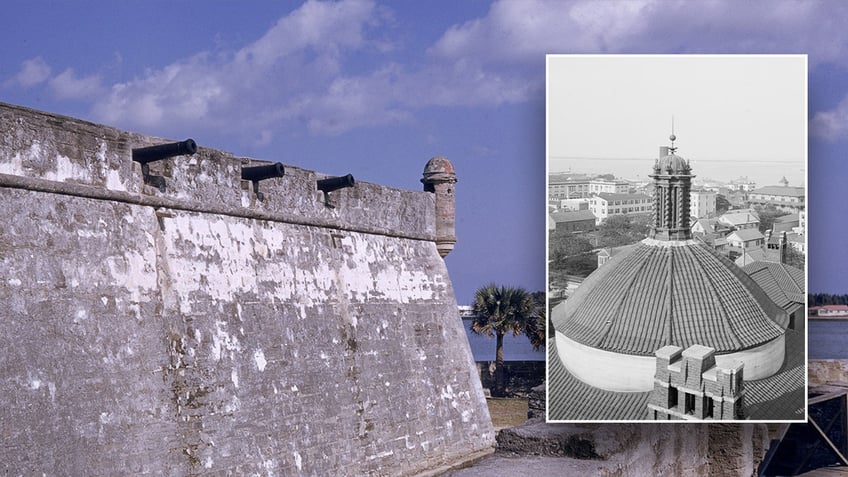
573, 400
780, 190
739, 218
706, 224
778, 397
794, 217
757, 255
747, 234
610, 196
655, 295
573, 216
784, 284
834, 307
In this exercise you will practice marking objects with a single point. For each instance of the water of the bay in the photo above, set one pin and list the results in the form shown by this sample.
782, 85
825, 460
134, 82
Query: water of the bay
827, 339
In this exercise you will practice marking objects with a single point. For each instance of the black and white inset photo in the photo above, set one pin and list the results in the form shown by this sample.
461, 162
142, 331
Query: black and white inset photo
677, 191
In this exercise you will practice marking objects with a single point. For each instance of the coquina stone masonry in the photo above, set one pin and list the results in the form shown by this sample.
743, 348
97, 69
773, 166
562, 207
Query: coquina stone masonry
199, 331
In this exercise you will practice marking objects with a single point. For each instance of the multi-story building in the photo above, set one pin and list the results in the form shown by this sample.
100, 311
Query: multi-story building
573, 221
571, 186
784, 197
702, 203
567, 186
743, 184
574, 204
605, 205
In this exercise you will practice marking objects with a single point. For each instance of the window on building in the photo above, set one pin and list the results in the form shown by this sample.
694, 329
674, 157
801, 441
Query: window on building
689, 406
672, 397
709, 407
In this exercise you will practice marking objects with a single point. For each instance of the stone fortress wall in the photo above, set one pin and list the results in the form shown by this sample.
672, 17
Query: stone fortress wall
201, 331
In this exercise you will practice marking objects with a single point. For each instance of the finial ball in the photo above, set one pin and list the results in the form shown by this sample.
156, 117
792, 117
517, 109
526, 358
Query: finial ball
672, 137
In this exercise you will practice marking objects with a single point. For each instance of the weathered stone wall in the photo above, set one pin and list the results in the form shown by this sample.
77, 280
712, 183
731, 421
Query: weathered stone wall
199, 331
823, 371
520, 376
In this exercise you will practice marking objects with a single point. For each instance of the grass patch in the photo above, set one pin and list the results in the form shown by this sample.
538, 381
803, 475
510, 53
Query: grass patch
507, 412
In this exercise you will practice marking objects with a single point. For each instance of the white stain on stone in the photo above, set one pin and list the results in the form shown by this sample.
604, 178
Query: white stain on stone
234, 377
222, 342
233, 405
294, 388
298, 462
14, 282
14, 167
66, 169
259, 358
113, 181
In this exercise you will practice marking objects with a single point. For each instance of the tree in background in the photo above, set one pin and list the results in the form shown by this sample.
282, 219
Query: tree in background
500, 310
538, 325
767, 216
794, 258
722, 204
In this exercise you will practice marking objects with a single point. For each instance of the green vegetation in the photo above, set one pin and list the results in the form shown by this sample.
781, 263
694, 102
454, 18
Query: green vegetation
819, 299
507, 412
500, 310
722, 204
767, 216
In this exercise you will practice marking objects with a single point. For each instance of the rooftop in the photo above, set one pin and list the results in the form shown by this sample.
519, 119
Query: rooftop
680, 293
572, 216
778, 397
738, 218
612, 196
780, 190
747, 234
784, 284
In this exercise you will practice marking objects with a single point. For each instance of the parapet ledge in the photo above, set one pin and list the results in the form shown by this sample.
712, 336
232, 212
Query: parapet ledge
60, 154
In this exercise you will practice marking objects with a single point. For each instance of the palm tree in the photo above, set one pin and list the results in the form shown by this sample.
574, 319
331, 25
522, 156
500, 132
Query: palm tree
500, 310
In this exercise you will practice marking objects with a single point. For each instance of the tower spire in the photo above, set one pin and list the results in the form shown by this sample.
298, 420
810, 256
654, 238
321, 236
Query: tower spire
672, 184
672, 137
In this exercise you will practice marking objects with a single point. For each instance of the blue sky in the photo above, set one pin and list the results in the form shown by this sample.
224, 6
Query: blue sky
378, 88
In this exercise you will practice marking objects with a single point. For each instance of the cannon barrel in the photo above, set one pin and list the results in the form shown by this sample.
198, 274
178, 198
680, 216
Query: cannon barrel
332, 183
259, 173
164, 151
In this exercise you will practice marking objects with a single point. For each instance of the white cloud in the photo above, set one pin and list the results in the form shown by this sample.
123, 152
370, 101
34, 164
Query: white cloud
283, 76
329, 67
67, 85
33, 71
833, 124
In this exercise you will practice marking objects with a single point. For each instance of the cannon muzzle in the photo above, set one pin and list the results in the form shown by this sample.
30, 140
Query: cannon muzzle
333, 183
259, 173
164, 151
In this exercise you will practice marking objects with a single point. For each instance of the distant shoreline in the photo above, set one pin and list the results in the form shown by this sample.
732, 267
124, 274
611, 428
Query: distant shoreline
828, 318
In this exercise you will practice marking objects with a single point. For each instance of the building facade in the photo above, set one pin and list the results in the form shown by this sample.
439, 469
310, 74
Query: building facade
703, 203
574, 221
578, 186
783, 197
605, 205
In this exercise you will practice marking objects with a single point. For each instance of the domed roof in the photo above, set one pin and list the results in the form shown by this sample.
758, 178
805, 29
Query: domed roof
661, 293
673, 164
438, 165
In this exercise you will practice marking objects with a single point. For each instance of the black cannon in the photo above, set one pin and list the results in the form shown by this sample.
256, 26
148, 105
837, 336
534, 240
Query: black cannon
164, 151
146, 155
258, 173
334, 183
